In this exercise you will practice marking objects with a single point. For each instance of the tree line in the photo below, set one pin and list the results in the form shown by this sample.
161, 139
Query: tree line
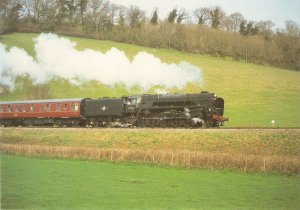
202, 31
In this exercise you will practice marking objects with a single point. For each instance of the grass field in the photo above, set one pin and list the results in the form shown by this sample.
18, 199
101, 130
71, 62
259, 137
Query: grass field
34, 183
254, 95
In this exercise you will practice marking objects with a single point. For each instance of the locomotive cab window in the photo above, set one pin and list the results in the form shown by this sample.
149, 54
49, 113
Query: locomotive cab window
131, 101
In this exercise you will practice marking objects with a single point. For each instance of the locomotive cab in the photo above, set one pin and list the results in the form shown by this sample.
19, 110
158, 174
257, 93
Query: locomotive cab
219, 111
220, 106
131, 104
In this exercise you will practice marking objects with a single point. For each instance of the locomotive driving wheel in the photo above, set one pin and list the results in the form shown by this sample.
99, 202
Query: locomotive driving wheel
131, 119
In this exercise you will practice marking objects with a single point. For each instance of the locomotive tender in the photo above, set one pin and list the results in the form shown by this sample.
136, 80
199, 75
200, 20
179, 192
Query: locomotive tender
159, 110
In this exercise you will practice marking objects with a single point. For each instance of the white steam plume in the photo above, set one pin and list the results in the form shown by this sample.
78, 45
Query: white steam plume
57, 57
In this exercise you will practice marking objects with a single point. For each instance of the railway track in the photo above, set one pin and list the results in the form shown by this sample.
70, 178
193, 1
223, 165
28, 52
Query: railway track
169, 129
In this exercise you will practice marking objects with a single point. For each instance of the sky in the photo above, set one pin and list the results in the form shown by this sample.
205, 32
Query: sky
278, 11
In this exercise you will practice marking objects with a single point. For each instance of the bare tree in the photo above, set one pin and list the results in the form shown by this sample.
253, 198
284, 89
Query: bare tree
202, 14
113, 14
292, 28
10, 14
82, 9
216, 16
121, 16
182, 15
98, 11
265, 26
136, 17
48, 10
235, 20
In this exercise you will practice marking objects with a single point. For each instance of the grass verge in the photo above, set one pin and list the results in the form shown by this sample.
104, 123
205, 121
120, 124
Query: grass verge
243, 150
187, 159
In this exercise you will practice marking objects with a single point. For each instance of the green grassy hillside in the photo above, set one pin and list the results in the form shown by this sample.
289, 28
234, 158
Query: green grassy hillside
254, 95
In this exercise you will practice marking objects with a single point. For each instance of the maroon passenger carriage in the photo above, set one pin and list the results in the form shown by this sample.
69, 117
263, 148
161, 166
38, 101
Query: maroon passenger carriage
41, 112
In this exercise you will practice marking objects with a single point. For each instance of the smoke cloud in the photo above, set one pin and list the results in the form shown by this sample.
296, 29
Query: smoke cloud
57, 57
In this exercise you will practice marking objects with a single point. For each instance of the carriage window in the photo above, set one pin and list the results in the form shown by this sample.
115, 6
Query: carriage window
57, 107
1, 109
8, 108
23, 108
65, 106
31, 108
16, 109
74, 107
47, 108
41, 107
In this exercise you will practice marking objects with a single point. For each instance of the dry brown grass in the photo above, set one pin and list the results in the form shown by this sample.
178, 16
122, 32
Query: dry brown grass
243, 150
266, 142
183, 158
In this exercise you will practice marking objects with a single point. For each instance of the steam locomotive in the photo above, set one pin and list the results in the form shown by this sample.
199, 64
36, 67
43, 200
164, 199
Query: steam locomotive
160, 110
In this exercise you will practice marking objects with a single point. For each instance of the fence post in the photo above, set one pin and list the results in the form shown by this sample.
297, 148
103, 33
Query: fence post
245, 169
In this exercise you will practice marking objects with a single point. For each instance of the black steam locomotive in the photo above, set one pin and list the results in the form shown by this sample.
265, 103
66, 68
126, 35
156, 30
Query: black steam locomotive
161, 110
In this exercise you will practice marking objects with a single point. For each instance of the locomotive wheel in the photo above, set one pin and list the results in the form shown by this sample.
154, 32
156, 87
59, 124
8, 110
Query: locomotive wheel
142, 123
181, 123
131, 119
176, 123
208, 124
216, 124
187, 124
169, 123
157, 123
172, 124
147, 123
152, 123
163, 123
